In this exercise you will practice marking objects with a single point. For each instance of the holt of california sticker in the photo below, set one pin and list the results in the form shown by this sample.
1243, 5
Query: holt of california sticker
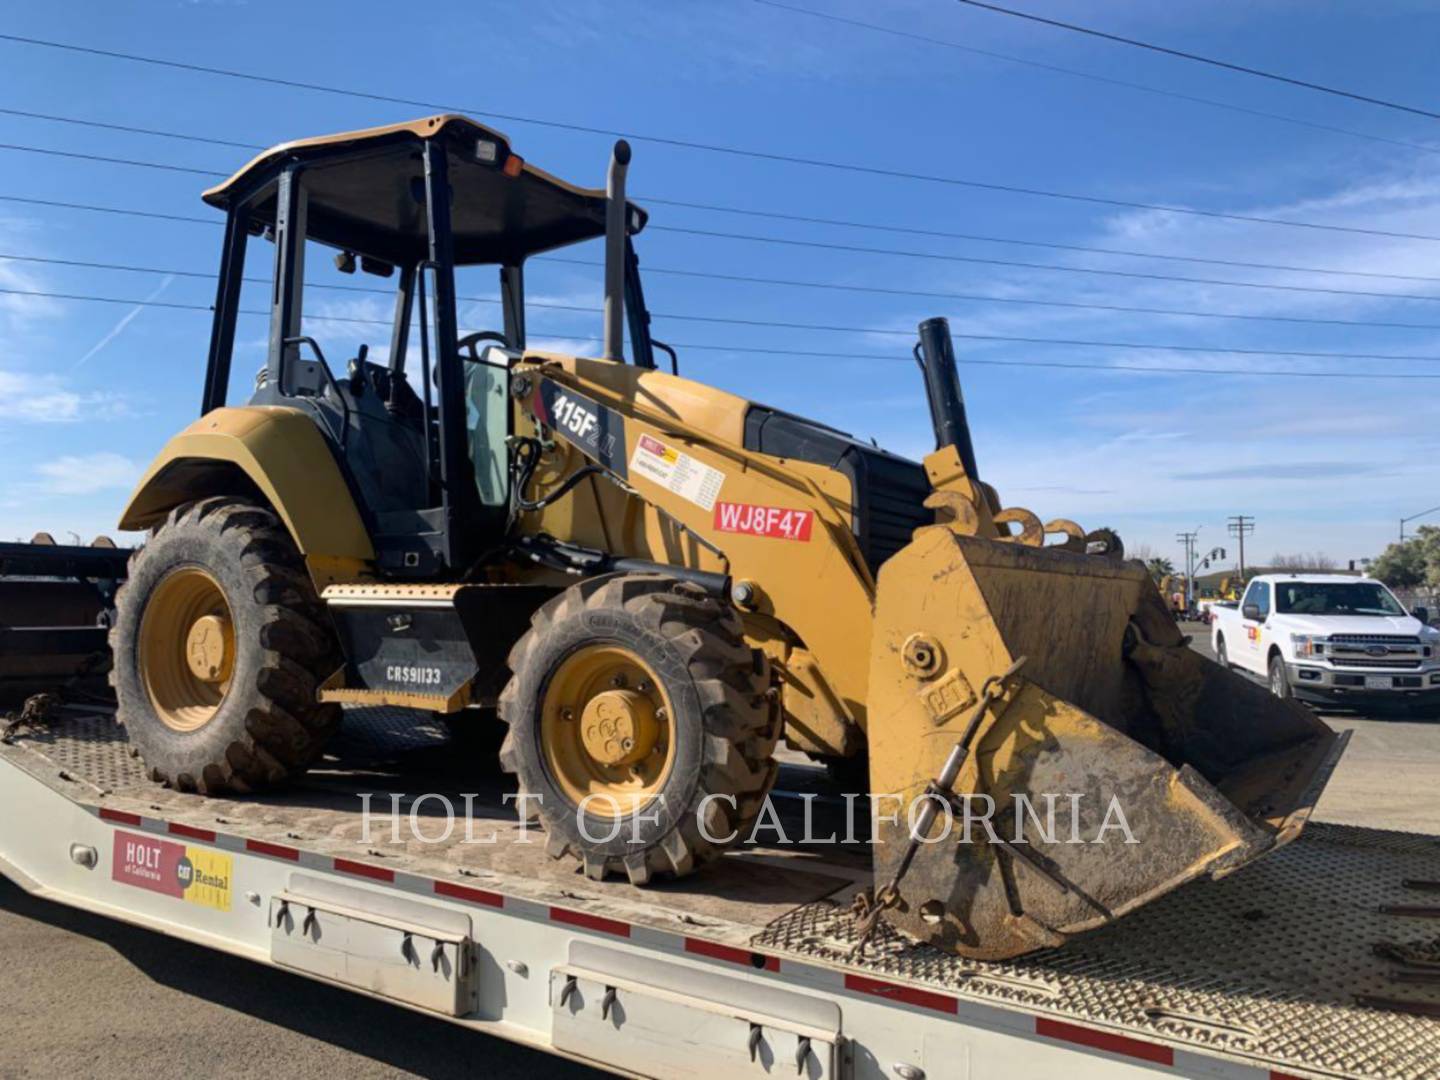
195, 875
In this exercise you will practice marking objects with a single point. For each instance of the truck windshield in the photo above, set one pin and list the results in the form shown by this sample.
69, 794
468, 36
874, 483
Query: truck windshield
1335, 598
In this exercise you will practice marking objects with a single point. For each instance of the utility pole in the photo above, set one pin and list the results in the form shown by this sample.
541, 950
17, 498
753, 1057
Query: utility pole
1240, 527
1188, 539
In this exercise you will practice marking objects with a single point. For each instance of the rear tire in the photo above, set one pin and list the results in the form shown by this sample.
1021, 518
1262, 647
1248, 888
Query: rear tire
1279, 682
707, 726
1222, 654
221, 583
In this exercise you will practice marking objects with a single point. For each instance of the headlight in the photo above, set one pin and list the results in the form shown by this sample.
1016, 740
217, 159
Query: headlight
1308, 645
1429, 635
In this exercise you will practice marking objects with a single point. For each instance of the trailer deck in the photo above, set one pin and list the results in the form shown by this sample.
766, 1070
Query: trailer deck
1320, 960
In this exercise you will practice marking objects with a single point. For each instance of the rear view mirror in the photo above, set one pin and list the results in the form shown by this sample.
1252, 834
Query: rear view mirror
1251, 611
1421, 613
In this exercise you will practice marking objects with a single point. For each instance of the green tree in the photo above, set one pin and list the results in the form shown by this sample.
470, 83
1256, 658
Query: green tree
1412, 564
1159, 566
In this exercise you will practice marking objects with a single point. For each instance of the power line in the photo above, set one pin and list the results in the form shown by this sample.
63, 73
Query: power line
848, 247
948, 235
129, 129
801, 218
104, 159
127, 211
982, 298
850, 329
1105, 79
714, 148
742, 279
1016, 264
1197, 58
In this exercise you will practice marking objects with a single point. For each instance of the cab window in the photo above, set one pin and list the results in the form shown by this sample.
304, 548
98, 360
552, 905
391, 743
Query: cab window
487, 419
1259, 595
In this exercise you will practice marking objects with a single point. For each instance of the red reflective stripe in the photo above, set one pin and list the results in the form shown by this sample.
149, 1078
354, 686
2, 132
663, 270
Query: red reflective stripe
360, 869
464, 892
745, 957
590, 922
192, 832
926, 999
120, 816
1104, 1040
1282, 1076
279, 851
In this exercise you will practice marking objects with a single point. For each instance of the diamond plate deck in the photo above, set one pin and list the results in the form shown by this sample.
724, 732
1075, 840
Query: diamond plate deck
1267, 964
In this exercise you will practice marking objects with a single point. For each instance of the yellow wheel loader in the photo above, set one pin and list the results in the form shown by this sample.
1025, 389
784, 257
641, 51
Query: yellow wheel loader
654, 581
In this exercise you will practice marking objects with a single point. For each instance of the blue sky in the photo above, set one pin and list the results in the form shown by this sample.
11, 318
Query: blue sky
89, 391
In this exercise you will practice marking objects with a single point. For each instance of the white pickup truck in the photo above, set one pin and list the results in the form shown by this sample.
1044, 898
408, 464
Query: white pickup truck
1331, 639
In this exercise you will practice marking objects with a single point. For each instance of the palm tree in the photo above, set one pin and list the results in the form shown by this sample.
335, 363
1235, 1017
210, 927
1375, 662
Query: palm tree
1159, 567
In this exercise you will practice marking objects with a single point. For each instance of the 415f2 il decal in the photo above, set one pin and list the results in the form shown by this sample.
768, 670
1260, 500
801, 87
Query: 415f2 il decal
597, 432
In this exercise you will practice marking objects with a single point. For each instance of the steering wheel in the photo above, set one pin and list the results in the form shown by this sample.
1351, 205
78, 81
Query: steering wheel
471, 341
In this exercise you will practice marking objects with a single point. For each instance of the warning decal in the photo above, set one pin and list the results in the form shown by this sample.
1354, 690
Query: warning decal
676, 471
773, 521
196, 875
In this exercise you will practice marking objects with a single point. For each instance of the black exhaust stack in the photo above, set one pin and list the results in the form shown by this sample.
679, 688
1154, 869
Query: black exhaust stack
936, 355
615, 237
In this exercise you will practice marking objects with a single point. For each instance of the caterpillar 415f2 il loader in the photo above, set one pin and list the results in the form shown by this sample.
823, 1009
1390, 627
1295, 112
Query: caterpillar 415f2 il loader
654, 581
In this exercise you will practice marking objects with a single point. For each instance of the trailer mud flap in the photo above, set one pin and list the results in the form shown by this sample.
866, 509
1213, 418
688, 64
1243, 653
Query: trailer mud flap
660, 1019
388, 945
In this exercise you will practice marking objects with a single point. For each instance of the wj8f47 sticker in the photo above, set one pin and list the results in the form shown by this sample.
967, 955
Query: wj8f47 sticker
597, 432
772, 521
193, 874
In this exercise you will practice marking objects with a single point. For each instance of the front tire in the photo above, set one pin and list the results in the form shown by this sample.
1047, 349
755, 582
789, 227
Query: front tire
1279, 682
219, 644
641, 724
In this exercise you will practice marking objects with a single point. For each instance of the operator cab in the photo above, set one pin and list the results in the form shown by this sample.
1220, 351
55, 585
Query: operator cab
421, 435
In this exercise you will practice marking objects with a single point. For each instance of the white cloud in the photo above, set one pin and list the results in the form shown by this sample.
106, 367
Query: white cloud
87, 474
32, 397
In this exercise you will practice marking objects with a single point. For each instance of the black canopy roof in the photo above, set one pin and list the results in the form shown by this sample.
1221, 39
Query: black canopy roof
365, 193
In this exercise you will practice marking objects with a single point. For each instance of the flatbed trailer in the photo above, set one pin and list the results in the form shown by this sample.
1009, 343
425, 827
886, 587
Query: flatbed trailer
1318, 961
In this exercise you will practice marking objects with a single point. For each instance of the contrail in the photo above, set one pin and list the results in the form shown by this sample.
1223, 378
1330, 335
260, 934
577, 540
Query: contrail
125, 320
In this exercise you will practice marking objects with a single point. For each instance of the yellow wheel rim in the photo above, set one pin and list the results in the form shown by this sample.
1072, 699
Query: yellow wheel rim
607, 730
187, 648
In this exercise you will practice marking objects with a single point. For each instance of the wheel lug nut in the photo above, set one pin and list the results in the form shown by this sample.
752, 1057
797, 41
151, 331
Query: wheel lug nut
617, 680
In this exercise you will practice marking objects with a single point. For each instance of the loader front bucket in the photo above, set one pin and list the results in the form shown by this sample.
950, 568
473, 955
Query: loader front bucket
1114, 765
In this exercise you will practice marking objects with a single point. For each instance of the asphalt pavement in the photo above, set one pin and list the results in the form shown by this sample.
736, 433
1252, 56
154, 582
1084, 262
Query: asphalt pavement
89, 997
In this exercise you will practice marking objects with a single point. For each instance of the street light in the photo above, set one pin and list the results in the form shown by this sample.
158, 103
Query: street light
1412, 517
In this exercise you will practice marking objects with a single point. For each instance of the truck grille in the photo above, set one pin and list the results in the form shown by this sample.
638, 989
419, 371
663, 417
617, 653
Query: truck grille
1392, 664
1373, 639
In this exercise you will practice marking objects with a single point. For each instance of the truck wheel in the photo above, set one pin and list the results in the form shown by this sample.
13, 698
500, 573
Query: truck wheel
641, 727
1222, 654
1279, 683
219, 644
